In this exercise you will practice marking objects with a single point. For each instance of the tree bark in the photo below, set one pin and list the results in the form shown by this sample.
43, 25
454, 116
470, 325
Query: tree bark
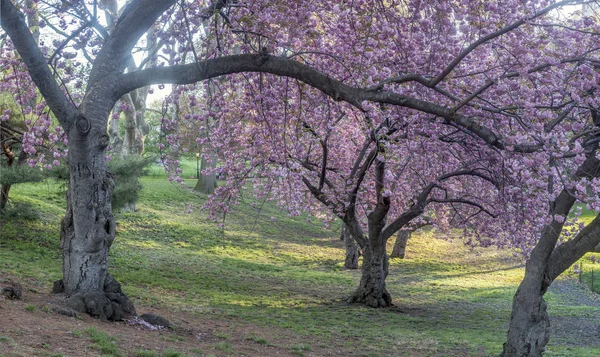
352, 250
206, 183
88, 230
5, 189
116, 142
372, 290
399, 249
529, 329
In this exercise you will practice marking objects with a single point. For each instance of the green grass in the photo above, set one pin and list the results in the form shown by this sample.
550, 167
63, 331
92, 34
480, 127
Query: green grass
105, 343
224, 346
6, 339
171, 353
300, 349
145, 353
284, 275
589, 265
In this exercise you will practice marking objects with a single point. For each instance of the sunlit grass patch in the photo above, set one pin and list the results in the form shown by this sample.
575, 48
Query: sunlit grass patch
285, 275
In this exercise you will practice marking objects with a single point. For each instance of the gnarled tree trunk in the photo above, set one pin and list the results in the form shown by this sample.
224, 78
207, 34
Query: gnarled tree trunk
528, 331
5, 189
88, 229
372, 290
529, 327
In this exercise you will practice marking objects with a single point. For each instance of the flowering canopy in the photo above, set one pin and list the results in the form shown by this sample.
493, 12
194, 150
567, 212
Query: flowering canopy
478, 111
485, 107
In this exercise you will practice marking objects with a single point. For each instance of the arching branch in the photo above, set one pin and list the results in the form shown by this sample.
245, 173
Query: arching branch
264, 63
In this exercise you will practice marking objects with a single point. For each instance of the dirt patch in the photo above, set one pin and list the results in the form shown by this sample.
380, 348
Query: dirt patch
29, 327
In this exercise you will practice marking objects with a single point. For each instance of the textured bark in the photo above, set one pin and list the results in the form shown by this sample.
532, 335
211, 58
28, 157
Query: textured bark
136, 128
352, 250
529, 330
372, 290
116, 142
88, 230
399, 249
4, 190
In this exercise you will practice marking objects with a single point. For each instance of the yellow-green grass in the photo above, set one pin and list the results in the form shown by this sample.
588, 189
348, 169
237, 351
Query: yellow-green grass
286, 273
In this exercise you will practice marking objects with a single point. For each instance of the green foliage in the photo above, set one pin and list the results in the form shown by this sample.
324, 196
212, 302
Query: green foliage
60, 172
19, 174
6, 339
20, 210
30, 308
126, 172
589, 268
259, 340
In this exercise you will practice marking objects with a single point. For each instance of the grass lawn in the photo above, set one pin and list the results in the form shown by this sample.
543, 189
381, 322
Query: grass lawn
286, 275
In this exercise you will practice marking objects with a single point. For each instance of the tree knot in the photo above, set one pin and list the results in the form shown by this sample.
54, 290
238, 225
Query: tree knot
263, 56
83, 124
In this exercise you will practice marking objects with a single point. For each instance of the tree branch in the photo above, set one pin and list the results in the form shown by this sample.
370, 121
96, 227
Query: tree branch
135, 20
569, 252
420, 202
191, 73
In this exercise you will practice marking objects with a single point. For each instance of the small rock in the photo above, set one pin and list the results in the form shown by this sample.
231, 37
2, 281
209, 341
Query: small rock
12, 292
58, 287
64, 311
156, 320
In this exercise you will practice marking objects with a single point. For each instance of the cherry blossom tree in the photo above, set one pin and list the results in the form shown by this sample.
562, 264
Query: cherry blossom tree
478, 114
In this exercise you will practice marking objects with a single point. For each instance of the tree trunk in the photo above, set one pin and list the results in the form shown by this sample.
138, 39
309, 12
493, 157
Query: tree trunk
352, 251
371, 290
206, 183
529, 328
88, 230
116, 142
399, 249
4, 190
